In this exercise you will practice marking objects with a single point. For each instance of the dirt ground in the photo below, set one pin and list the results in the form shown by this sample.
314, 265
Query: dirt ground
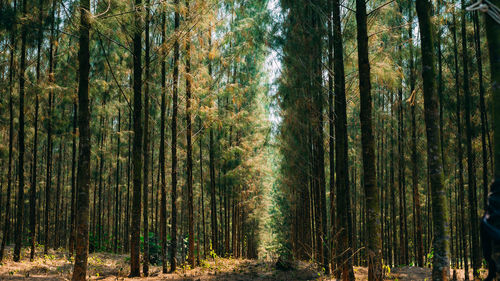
57, 266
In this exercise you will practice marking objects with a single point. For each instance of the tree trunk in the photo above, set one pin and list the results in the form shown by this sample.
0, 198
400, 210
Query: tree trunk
396, 254
493, 37
137, 146
203, 192
58, 193
471, 169
414, 155
461, 195
189, 146
20, 137
83, 178
211, 152
126, 243
173, 248
6, 226
440, 270
482, 106
73, 181
341, 150
117, 188
374, 250
401, 167
145, 147
163, 203
35, 141
331, 140
99, 225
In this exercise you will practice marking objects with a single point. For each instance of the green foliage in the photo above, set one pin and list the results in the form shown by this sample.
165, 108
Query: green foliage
430, 256
154, 248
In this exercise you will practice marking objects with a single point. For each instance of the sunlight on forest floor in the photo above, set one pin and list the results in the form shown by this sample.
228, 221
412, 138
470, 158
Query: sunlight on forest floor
106, 266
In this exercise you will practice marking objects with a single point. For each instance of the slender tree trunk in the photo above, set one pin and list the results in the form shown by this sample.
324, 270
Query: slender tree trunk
35, 141
482, 106
117, 188
440, 270
471, 169
73, 181
331, 140
203, 193
213, 203
396, 254
341, 150
48, 180
211, 152
83, 178
173, 247
220, 250
401, 184
99, 226
440, 88
58, 193
189, 146
126, 245
163, 203
20, 137
145, 147
6, 226
402, 169
414, 155
461, 195
317, 139
493, 37
48, 177
367, 141
137, 146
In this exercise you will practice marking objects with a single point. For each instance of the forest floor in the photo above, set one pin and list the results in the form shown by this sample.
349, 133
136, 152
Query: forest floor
105, 266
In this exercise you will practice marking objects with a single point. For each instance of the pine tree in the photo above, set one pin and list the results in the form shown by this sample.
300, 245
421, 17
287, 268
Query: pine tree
83, 178
175, 82
21, 135
163, 206
367, 141
440, 269
137, 145
189, 146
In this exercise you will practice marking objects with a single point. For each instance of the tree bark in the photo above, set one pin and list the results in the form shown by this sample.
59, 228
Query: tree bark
203, 192
137, 145
189, 146
374, 250
163, 203
341, 150
331, 140
6, 226
414, 155
83, 178
211, 152
35, 141
73, 180
461, 195
493, 37
20, 138
440, 270
471, 169
117, 179
482, 106
173, 247
145, 147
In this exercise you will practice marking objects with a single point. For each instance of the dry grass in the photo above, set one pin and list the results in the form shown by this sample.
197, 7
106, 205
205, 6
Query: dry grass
105, 266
